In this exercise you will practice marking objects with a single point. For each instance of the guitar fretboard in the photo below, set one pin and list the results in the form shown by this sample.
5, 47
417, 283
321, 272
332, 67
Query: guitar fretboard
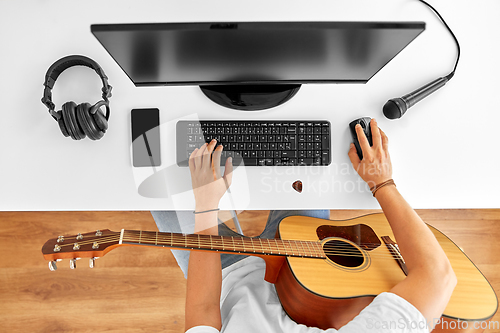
246, 245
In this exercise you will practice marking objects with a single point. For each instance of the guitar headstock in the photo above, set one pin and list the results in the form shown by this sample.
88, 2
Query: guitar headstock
89, 245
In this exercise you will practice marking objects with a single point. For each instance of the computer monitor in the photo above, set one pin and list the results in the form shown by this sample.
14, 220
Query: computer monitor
254, 65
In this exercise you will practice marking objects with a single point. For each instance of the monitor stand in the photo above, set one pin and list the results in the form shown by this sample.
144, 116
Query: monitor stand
250, 97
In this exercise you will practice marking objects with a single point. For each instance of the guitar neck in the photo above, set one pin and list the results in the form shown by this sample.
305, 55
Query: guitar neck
227, 244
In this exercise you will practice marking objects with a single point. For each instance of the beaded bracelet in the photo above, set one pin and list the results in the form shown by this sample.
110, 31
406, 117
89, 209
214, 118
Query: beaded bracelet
206, 211
375, 188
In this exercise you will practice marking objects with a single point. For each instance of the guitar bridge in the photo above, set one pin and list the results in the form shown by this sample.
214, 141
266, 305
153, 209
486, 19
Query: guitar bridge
394, 250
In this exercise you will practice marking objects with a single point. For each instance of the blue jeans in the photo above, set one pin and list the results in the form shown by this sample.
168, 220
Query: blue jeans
183, 222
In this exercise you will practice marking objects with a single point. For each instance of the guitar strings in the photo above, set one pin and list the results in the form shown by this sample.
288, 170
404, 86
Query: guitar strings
218, 243
314, 251
344, 249
204, 241
204, 238
241, 241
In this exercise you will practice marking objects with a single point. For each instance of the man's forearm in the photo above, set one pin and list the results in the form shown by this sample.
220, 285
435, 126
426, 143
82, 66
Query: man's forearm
204, 279
417, 244
431, 280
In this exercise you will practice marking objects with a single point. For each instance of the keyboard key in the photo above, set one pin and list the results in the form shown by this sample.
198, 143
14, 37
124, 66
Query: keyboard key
288, 153
325, 141
305, 161
325, 157
250, 161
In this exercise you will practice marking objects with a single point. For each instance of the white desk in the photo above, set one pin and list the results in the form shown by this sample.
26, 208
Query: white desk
444, 150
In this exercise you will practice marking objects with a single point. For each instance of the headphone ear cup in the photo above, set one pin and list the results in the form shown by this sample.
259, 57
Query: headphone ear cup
87, 122
100, 120
70, 121
60, 122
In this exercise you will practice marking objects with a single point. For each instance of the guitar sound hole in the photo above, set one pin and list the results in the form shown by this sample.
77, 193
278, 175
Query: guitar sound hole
343, 253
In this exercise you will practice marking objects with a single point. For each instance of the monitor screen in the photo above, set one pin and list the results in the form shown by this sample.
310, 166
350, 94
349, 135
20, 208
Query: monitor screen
254, 52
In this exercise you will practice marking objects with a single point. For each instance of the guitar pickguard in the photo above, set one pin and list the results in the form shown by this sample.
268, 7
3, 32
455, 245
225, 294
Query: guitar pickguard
360, 234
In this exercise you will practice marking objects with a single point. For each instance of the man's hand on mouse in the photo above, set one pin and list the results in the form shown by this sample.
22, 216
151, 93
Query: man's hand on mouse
375, 167
208, 185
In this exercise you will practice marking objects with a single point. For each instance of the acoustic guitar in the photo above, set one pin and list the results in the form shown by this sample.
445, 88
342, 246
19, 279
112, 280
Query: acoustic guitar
325, 271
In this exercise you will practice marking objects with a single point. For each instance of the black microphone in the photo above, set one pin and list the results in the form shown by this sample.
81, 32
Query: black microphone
395, 108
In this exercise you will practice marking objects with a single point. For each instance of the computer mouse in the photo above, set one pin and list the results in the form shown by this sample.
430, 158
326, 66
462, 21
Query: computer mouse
365, 124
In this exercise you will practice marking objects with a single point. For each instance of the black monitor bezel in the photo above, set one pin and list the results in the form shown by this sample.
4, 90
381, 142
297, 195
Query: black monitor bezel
254, 25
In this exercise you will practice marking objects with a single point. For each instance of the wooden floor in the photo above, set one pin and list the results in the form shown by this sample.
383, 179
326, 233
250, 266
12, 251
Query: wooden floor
134, 289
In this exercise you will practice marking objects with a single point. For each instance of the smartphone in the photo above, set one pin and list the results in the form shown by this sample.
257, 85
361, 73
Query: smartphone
146, 137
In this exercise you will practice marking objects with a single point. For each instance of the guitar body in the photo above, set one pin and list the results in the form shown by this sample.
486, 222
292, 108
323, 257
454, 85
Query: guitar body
330, 292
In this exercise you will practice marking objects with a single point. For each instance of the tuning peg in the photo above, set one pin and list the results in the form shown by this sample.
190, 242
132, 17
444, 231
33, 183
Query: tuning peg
72, 263
52, 265
92, 262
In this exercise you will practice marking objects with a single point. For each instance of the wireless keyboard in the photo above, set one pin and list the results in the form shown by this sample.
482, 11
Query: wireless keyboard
258, 143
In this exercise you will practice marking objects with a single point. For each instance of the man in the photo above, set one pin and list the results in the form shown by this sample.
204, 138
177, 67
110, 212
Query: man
237, 299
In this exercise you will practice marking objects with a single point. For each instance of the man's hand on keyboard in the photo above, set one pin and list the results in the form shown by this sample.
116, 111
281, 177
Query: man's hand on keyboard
208, 184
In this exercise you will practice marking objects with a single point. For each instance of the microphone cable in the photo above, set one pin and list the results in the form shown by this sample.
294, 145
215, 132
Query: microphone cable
449, 76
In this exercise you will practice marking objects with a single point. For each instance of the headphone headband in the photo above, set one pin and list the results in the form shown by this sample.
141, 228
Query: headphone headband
60, 66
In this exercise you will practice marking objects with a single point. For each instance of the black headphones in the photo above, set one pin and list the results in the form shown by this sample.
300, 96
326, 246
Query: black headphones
83, 119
